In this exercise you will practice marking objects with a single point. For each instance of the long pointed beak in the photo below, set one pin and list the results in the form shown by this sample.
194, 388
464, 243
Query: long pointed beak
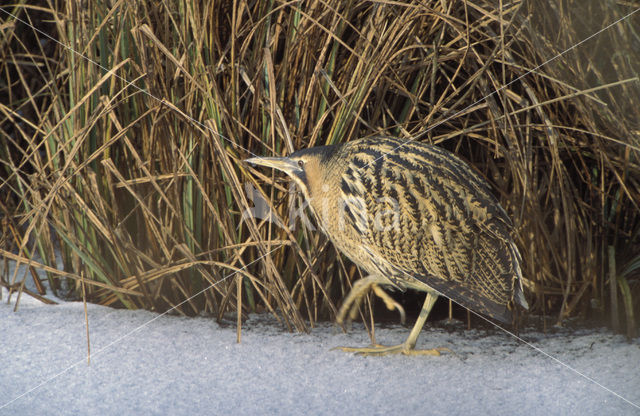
284, 164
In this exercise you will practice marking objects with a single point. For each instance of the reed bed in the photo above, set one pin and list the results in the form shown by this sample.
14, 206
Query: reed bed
123, 127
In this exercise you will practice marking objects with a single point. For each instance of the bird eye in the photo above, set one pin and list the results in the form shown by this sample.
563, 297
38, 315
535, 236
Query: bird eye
301, 164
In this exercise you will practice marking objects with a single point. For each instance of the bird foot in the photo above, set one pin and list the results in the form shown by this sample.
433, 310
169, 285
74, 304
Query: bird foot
354, 300
390, 303
380, 350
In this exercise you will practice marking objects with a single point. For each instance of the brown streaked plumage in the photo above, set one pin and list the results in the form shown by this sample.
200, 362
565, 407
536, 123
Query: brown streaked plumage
413, 216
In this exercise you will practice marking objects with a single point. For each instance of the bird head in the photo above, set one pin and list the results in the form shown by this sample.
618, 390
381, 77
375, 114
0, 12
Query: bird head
306, 167
292, 166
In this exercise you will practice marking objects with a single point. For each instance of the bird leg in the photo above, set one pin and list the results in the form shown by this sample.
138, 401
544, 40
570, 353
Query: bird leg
360, 288
407, 347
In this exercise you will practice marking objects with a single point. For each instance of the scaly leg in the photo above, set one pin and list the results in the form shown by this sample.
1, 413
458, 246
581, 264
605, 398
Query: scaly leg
354, 299
407, 347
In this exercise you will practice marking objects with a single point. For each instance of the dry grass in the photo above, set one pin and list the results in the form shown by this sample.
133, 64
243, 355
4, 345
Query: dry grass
131, 164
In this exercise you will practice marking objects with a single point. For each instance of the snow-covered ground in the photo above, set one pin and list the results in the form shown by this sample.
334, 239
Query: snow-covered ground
143, 364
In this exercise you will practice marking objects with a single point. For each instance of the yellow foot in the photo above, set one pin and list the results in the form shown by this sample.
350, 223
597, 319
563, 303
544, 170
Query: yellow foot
403, 349
354, 299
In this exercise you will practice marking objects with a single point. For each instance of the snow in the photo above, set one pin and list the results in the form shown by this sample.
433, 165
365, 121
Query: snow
144, 363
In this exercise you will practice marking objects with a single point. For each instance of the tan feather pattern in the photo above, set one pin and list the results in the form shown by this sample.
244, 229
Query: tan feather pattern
415, 211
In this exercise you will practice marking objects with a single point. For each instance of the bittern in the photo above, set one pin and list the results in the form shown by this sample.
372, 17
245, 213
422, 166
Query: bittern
413, 216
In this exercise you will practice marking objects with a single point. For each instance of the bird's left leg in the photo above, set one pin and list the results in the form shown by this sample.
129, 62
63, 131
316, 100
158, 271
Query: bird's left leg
407, 347
360, 288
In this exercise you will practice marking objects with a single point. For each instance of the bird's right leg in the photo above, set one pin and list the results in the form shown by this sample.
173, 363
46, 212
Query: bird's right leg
354, 299
409, 346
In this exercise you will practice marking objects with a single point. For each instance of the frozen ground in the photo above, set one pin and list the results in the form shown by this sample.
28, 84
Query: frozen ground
147, 364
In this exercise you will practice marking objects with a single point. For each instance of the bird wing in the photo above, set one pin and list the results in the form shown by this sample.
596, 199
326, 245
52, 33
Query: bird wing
425, 213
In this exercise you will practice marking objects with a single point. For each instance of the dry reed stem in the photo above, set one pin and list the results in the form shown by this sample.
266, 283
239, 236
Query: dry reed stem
145, 198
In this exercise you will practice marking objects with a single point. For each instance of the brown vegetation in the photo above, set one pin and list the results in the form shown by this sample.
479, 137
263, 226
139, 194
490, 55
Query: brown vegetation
123, 126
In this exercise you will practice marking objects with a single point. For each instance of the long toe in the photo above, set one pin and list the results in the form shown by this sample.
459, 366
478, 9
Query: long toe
380, 350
